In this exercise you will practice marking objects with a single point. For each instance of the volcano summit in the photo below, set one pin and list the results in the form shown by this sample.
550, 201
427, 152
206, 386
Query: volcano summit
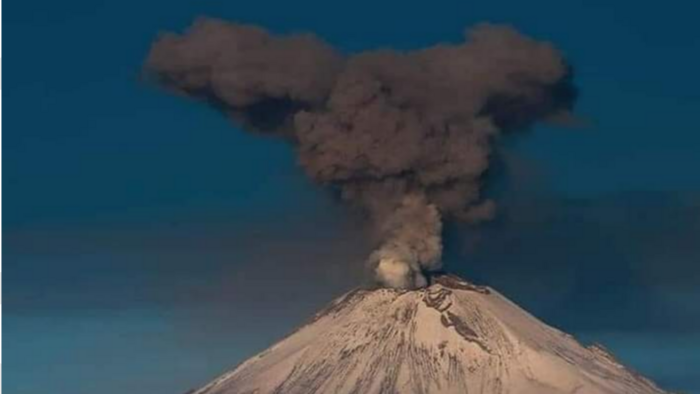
451, 337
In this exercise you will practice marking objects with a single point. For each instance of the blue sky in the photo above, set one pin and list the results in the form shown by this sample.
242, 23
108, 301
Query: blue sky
127, 210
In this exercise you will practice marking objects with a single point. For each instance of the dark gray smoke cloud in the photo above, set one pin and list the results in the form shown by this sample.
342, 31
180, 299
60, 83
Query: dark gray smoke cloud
405, 135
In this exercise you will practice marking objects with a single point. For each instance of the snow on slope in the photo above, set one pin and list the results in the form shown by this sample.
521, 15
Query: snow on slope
452, 337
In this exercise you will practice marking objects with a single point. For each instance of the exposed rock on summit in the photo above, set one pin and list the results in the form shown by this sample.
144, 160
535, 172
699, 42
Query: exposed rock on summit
449, 338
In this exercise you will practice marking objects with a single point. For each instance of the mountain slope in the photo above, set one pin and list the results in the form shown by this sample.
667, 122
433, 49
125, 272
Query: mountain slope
451, 337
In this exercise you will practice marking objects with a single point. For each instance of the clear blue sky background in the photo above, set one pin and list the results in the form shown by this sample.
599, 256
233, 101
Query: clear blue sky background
149, 245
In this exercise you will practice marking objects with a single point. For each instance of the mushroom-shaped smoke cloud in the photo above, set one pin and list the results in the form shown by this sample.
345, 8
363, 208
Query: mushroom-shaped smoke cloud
406, 135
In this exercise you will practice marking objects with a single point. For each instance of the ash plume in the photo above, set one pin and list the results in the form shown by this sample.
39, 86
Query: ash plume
407, 136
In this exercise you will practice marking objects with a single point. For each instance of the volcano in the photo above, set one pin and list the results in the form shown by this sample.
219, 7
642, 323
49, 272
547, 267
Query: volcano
451, 337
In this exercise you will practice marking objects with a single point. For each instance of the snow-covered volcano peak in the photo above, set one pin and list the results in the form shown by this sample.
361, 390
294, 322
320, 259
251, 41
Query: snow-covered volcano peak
451, 337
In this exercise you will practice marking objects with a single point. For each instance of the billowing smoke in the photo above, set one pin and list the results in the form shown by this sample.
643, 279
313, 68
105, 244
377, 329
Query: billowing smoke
407, 136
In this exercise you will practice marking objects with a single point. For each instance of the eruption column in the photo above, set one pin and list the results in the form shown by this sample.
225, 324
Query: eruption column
407, 136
